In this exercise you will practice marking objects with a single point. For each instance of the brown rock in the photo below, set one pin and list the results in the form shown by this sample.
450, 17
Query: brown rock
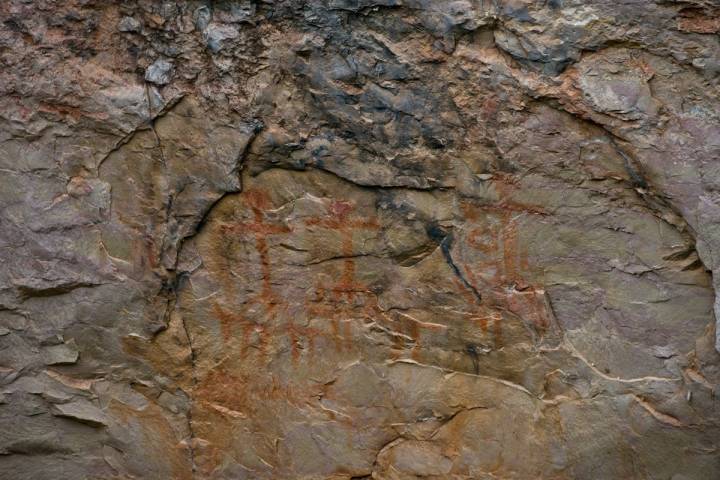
359, 239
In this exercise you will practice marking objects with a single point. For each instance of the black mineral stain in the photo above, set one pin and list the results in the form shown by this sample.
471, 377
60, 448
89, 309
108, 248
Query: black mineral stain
446, 239
472, 350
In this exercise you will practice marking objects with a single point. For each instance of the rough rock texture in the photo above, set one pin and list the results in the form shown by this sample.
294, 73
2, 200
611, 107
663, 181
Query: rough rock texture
340, 239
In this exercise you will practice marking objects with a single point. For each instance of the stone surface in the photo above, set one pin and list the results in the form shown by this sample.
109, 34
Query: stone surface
160, 72
359, 239
82, 412
61, 354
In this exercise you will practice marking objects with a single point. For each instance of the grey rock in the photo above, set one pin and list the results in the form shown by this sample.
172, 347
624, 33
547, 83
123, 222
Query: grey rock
202, 17
217, 36
82, 411
129, 24
63, 354
160, 72
235, 12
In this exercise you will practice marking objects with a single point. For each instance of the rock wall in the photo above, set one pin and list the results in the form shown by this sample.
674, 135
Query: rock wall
348, 239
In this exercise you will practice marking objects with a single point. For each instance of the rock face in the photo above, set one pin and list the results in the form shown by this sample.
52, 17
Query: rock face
347, 239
